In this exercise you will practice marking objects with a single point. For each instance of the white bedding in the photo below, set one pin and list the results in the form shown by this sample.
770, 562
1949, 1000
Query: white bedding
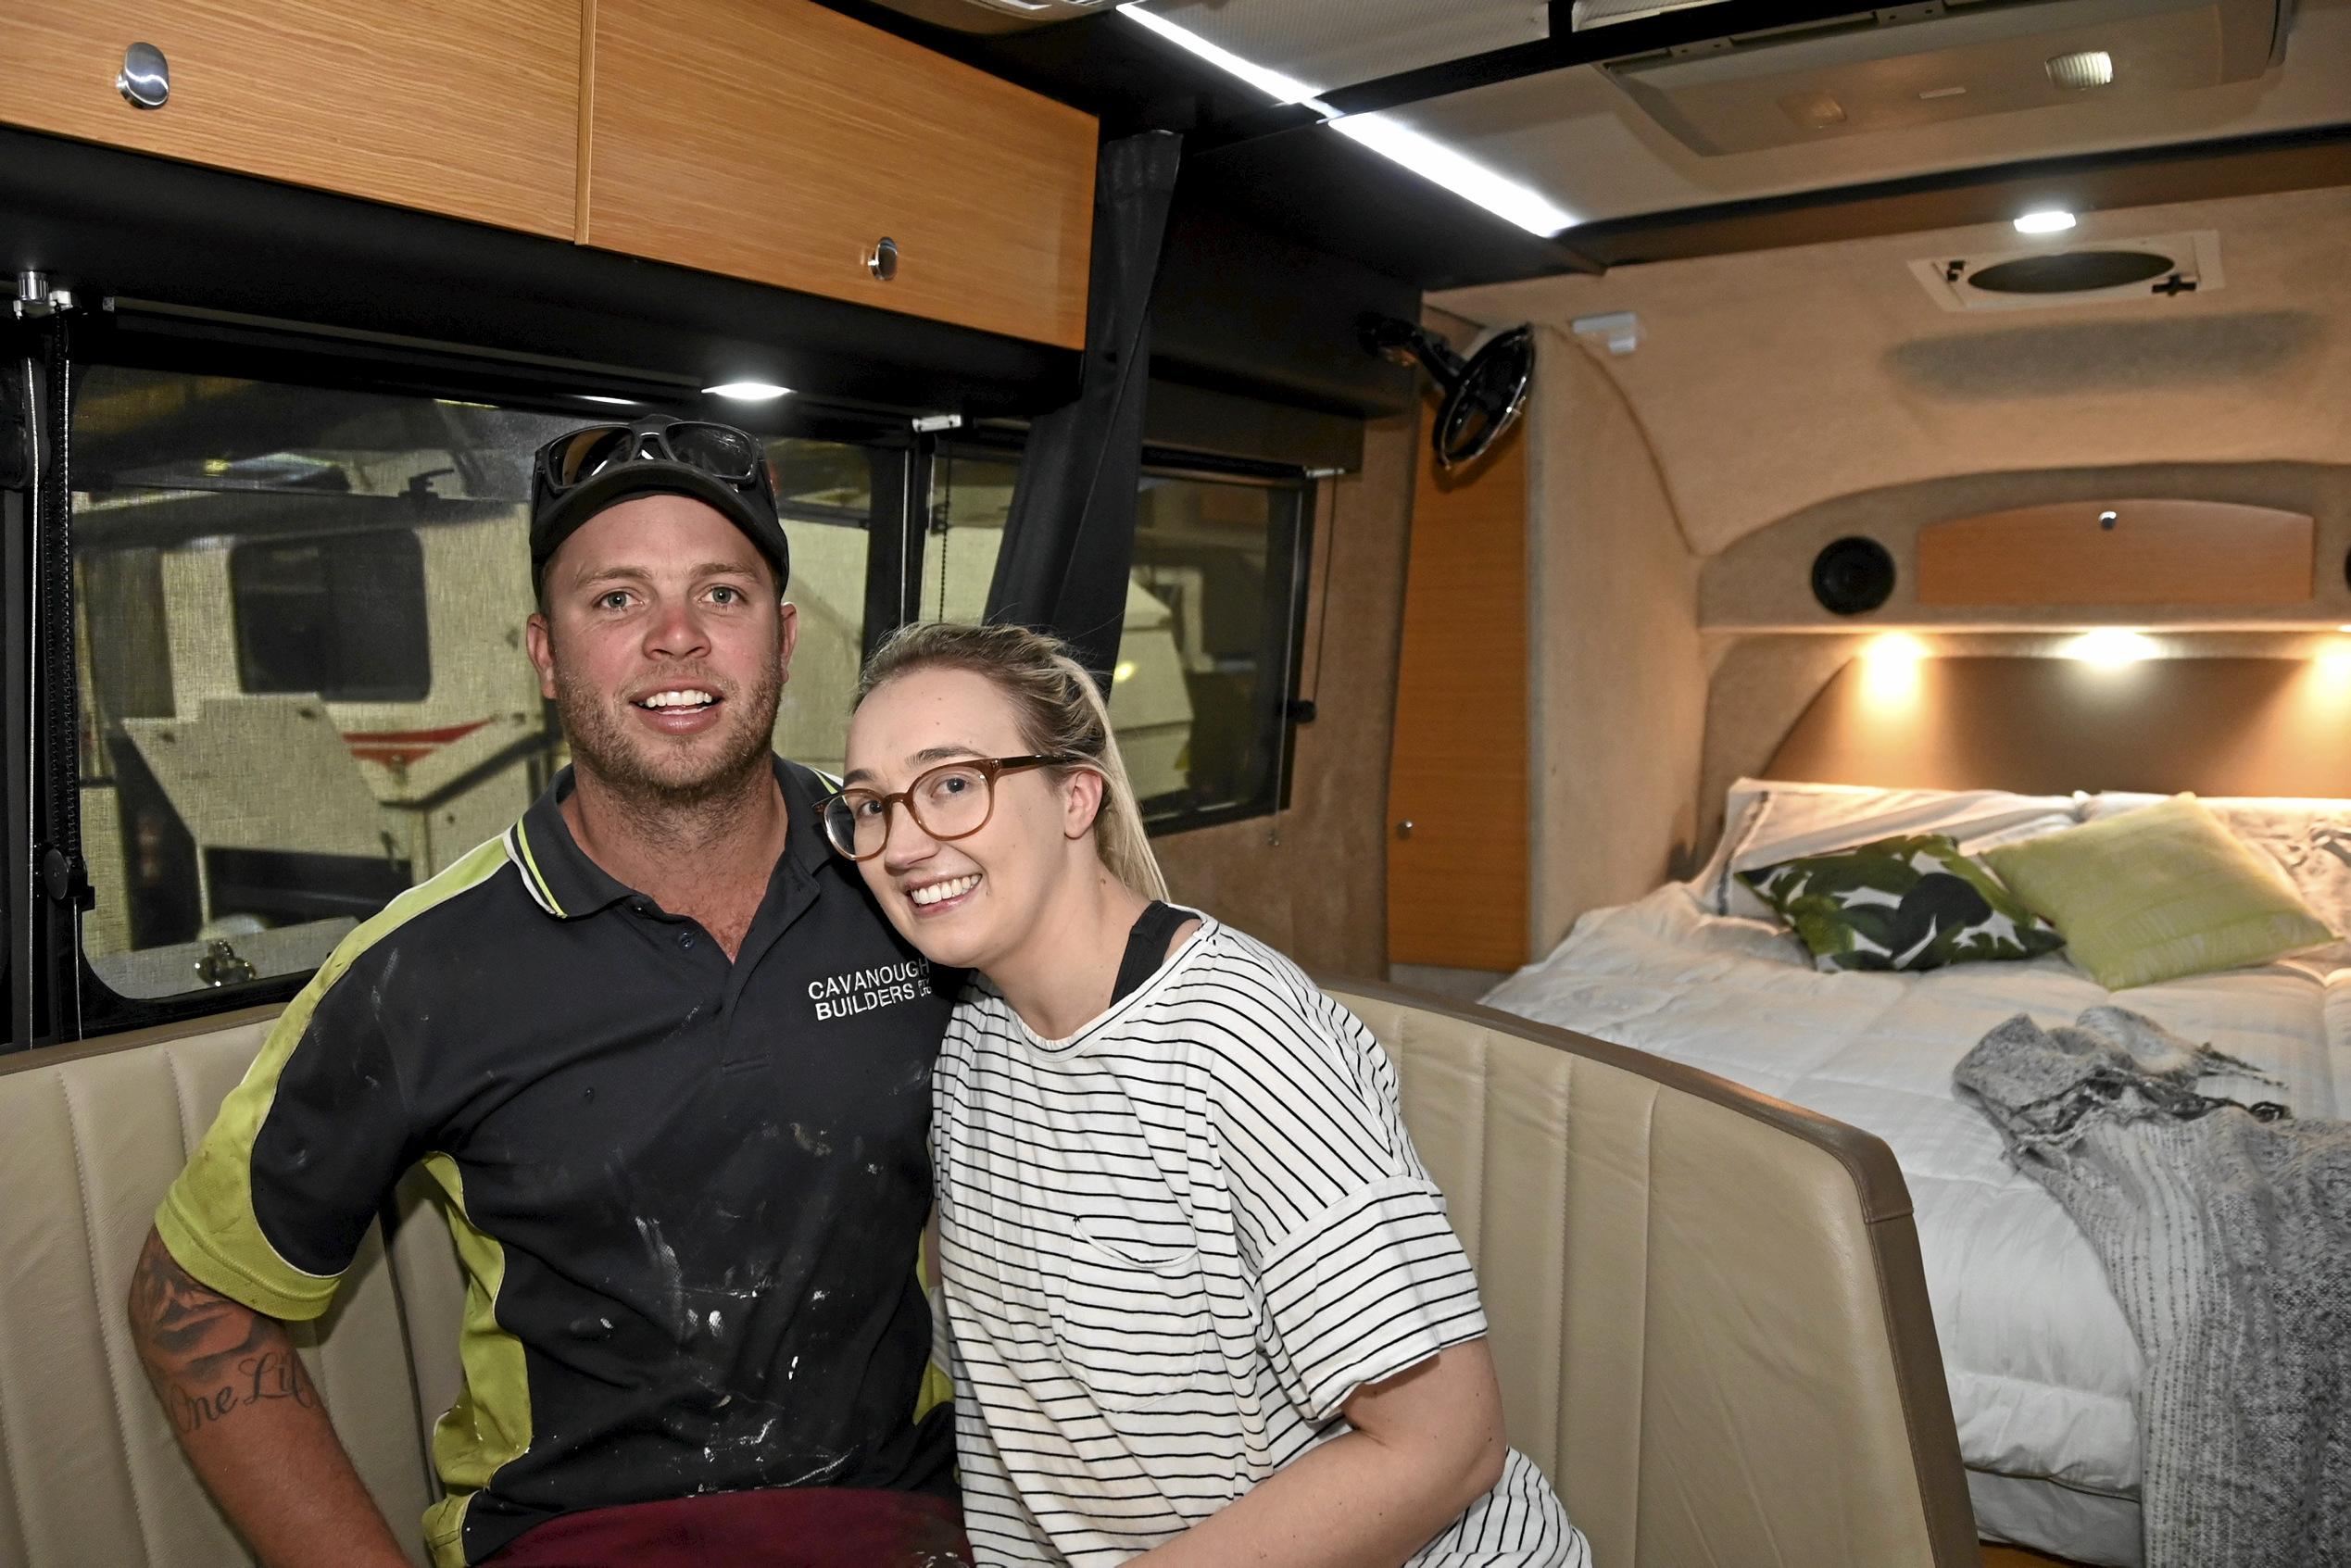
2040, 1364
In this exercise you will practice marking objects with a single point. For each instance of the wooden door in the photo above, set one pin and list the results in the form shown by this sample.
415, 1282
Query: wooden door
1459, 834
467, 109
780, 142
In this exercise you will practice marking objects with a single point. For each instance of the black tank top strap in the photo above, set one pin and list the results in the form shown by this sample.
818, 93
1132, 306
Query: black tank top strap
1147, 946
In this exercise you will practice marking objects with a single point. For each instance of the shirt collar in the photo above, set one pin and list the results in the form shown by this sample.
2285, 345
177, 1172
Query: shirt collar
564, 882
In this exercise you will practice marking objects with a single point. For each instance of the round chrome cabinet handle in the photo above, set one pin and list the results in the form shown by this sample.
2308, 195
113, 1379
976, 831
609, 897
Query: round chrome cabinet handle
145, 81
882, 260
1404, 828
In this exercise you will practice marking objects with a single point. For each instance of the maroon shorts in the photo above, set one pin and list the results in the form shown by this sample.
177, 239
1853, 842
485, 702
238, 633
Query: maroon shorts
780, 1527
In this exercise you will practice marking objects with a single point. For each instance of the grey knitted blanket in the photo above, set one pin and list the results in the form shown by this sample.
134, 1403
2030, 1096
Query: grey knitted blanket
2225, 1227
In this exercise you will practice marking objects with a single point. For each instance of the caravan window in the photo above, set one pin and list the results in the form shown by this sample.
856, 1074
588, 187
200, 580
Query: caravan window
301, 680
1207, 654
342, 615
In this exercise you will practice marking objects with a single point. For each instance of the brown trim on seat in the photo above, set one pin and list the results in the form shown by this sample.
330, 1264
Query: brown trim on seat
1884, 1199
106, 1045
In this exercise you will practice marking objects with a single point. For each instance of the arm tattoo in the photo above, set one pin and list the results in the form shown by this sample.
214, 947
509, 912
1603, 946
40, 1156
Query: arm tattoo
205, 1356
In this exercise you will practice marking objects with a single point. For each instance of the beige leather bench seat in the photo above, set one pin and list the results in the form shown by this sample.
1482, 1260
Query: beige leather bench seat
1707, 1306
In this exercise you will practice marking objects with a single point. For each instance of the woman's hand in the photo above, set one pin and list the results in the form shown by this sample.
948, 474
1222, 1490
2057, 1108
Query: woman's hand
1427, 1444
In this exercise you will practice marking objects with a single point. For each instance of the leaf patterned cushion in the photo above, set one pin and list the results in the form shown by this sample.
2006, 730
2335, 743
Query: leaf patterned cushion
1908, 903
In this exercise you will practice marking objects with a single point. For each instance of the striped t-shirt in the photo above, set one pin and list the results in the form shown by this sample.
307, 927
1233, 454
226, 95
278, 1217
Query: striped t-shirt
1172, 1246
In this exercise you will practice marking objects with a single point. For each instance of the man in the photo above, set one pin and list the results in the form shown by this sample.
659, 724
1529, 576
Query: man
670, 1067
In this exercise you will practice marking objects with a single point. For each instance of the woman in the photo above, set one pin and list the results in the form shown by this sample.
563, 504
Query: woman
1205, 1304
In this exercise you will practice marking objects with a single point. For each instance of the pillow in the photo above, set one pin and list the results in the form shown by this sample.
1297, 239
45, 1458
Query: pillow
2308, 841
1768, 822
2157, 894
1906, 903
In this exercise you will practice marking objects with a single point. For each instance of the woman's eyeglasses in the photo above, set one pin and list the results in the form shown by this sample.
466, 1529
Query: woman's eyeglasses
950, 801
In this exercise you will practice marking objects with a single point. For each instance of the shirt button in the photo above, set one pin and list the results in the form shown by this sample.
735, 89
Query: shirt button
686, 940
636, 906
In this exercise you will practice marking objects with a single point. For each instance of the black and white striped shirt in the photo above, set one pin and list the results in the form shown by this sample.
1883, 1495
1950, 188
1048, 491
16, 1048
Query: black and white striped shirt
1172, 1246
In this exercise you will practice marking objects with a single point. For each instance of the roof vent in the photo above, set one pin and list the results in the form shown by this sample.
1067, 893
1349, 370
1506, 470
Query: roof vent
2159, 266
1897, 67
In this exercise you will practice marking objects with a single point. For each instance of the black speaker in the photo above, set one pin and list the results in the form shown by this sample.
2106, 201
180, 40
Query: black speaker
1852, 576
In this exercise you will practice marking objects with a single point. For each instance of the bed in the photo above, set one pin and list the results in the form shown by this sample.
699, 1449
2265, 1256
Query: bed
2043, 1368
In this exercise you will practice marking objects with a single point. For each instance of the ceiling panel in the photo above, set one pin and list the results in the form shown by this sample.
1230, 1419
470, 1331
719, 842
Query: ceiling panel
1328, 43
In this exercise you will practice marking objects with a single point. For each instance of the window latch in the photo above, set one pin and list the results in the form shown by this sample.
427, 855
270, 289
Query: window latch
220, 966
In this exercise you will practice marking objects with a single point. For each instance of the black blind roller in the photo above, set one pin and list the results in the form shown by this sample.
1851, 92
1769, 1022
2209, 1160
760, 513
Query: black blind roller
1070, 534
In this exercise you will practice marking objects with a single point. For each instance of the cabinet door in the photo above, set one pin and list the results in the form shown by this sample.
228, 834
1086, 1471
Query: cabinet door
1460, 826
780, 142
449, 106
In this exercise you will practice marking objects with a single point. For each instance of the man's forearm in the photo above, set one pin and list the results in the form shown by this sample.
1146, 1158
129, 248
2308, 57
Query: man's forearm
243, 1408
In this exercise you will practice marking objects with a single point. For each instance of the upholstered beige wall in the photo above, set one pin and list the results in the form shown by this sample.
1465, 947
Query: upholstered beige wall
1764, 582
1772, 380
1620, 678
1320, 894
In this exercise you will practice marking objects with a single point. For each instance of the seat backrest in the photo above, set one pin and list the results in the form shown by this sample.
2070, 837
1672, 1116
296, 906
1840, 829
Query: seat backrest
1706, 1306
93, 1135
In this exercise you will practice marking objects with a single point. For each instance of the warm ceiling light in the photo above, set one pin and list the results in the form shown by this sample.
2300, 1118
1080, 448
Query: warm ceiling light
2083, 67
2048, 220
1383, 133
2111, 645
749, 391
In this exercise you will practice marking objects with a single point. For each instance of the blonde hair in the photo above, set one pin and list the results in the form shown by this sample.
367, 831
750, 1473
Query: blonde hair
1060, 711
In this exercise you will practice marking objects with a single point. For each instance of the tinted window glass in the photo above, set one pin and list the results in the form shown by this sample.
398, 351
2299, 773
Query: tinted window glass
303, 680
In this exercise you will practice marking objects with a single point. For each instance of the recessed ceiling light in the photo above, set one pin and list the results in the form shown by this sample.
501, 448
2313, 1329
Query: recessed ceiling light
2083, 67
616, 402
1383, 133
749, 391
2048, 220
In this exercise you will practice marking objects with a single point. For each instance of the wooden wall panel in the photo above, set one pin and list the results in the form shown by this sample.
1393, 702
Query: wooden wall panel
777, 140
470, 110
2099, 553
1457, 886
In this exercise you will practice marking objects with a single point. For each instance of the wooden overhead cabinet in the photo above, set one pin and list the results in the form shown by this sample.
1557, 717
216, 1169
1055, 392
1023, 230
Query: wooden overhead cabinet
466, 109
780, 142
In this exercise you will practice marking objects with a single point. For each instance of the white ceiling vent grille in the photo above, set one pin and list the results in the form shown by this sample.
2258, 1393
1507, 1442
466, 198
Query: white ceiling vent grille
2036, 277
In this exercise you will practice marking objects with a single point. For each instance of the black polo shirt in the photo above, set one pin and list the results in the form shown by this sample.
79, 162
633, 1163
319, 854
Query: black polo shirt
687, 1192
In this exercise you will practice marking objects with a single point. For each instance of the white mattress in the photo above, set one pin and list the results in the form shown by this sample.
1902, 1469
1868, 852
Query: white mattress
2040, 1364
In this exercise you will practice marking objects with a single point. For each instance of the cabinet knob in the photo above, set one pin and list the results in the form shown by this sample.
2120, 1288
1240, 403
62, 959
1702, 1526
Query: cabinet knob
1404, 828
145, 81
882, 260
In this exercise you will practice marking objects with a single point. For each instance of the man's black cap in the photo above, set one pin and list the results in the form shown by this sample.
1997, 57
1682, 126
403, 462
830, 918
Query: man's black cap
581, 473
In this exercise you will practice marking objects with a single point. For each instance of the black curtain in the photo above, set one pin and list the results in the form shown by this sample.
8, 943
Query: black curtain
1070, 535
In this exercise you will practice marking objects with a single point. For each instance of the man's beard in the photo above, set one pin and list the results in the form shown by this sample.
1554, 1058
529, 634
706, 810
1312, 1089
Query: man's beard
655, 778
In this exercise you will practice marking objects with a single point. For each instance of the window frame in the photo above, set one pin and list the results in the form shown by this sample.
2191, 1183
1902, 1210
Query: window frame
1292, 557
896, 451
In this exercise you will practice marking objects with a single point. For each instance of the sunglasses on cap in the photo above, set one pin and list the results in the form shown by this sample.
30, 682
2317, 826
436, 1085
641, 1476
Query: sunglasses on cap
728, 455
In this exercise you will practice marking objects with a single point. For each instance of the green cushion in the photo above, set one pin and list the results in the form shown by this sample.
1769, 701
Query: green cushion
2157, 894
1905, 903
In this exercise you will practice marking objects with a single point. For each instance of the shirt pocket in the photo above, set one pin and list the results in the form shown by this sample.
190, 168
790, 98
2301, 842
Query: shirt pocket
1132, 1322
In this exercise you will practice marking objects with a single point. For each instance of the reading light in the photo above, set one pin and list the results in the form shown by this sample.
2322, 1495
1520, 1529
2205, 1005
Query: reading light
2111, 646
2048, 220
749, 391
1383, 133
1890, 668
